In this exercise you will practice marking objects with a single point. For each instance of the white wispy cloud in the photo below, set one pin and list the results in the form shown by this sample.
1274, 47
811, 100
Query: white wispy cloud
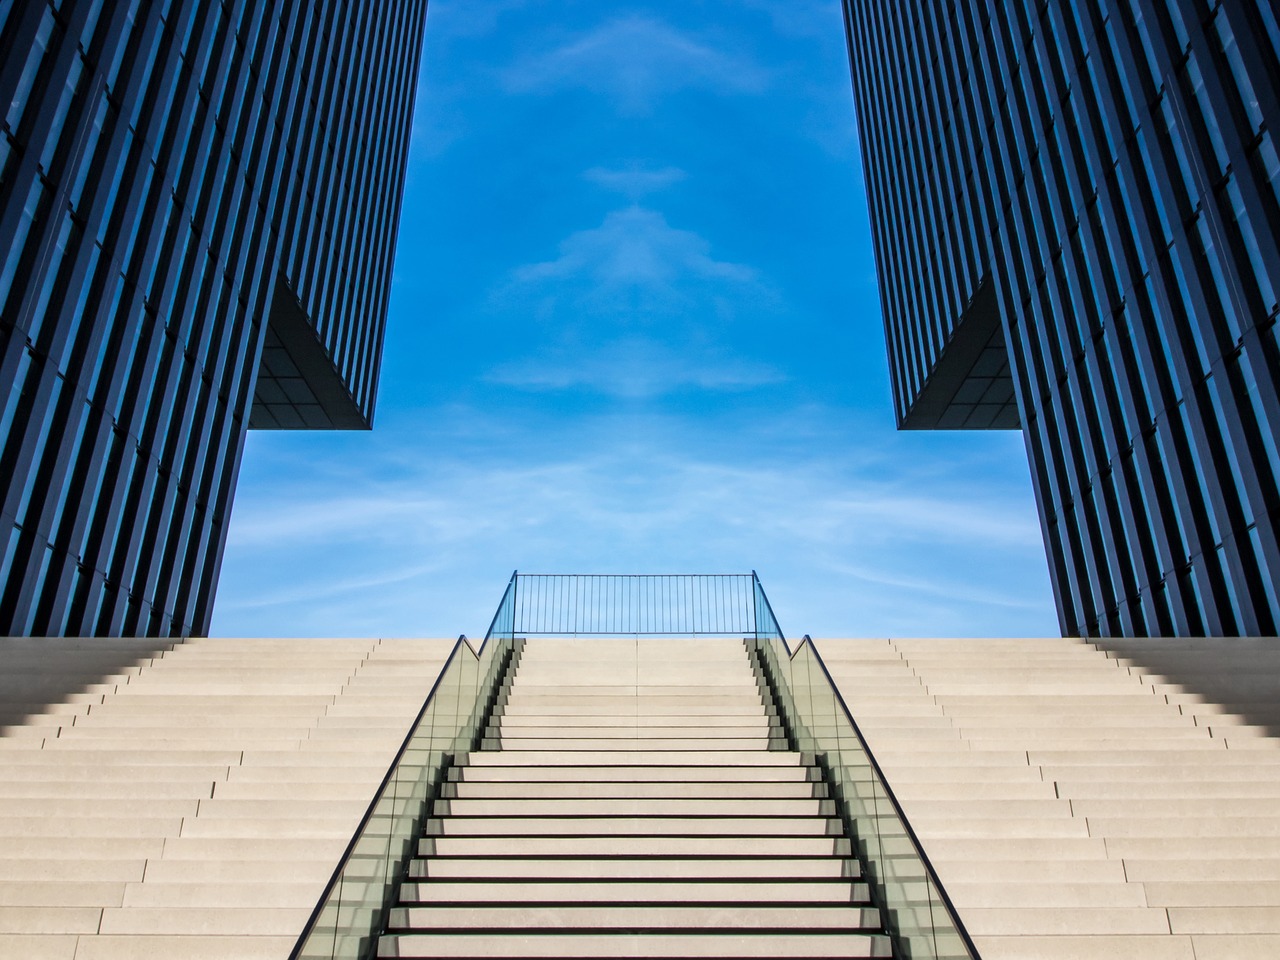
635, 247
800, 18
635, 271
404, 540
636, 60
636, 369
635, 180
469, 18
636, 308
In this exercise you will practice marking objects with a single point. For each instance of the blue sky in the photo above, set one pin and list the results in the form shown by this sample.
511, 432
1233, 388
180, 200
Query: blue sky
634, 327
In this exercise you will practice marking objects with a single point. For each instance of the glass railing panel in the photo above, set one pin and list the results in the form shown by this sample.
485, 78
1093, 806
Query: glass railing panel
348, 920
917, 912
464, 704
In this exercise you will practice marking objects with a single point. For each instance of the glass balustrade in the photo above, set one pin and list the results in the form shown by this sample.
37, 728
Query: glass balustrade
352, 913
916, 909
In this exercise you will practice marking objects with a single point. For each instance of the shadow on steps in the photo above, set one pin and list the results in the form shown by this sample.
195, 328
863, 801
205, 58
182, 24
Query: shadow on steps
43, 678
1229, 684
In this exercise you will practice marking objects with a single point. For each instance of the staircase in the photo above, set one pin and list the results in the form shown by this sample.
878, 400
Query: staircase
627, 803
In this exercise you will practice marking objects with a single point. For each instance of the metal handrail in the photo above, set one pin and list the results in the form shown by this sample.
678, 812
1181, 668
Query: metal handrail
601, 605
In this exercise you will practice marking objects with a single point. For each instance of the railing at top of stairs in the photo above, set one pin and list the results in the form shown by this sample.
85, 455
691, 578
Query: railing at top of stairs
651, 605
919, 915
352, 912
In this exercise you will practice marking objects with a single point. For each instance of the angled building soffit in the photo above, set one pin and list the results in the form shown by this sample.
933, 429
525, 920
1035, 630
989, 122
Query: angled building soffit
970, 386
299, 387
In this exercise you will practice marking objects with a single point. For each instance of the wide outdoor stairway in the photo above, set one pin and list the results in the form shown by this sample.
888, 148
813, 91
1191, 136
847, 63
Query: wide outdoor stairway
1086, 801
627, 804
188, 800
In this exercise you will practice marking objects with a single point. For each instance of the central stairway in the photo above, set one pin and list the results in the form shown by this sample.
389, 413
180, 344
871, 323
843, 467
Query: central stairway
626, 803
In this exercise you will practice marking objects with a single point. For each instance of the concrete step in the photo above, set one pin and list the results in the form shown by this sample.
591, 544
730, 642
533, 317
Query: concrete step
591, 846
635, 868
298, 805
294, 790
175, 708
639, 807
636, 919
633, 789
666, 945
60, 893
620, 758
1183, 807
34, 826
631, 891
213, 922
169, 742
641, 686
559, 722
269, 827
702, 743
88, 809
113, 735
269, 894
48, 868
58, 760
633, 730
94, 849
636, 826
688, 708
479, 771
748, 698
217, 872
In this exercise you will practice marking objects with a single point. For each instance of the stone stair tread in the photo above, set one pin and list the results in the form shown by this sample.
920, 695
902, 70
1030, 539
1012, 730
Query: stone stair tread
695, 712
623, 825
633, 806
633, 891
666, 945
554, 758
575, 721
635, 867
652, 773
637, 918
570, 845
700, 744
633, 789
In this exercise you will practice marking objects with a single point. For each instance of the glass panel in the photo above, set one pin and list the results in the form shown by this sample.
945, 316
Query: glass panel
916, 911
351, 914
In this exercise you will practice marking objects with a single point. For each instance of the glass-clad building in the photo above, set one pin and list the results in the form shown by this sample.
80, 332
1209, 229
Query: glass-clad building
1076, 213
198, 207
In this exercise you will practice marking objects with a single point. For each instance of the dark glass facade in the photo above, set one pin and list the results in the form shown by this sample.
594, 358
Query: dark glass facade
198, 206
1076, 211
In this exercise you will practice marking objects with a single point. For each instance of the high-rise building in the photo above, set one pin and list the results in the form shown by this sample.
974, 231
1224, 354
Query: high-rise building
1076, 212
198, 208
